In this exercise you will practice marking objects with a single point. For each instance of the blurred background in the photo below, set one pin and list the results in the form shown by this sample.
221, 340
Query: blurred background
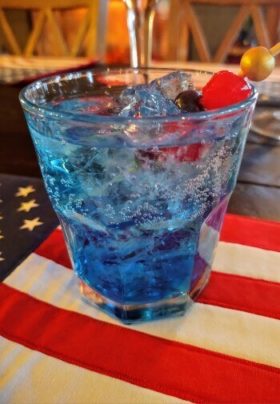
39, 38
204, 30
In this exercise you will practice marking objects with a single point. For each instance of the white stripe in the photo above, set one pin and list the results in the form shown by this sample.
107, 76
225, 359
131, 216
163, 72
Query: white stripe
32, 377
215, 328
52, 283
247, 261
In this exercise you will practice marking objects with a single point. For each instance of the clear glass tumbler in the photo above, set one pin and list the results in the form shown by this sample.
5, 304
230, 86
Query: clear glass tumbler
141, 200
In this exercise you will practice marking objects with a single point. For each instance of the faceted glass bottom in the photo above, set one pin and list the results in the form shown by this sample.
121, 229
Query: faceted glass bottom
136, 313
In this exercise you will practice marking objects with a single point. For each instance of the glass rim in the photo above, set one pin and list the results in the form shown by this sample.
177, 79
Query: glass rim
46, 111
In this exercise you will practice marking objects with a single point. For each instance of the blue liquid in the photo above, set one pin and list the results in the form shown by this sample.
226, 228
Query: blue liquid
141, 223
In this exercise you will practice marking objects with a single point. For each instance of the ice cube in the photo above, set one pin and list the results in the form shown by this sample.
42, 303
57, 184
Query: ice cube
172, 84
145, 101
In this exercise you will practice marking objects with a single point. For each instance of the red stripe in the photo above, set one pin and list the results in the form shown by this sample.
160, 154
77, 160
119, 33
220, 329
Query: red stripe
169, 367
250, 231
242, 293
54, 248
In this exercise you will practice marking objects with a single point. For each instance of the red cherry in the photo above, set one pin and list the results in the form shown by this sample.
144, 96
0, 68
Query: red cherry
223, 89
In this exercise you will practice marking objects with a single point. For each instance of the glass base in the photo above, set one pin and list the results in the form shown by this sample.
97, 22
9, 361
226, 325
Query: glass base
136, 313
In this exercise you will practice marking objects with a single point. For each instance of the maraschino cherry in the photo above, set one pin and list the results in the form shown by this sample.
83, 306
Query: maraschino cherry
226, 88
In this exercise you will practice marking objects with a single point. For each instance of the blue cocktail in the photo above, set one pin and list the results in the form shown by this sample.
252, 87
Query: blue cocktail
140, 193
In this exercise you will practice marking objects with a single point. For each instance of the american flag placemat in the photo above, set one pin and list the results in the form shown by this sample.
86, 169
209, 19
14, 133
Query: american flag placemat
22, 70
12, 76
54, 348
26, 219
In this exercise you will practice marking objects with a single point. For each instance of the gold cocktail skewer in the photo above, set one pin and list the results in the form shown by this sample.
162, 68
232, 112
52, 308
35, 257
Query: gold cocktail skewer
275, 50
258, 63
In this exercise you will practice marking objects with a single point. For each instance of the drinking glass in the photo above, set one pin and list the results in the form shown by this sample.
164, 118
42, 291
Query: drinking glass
140, 200
140, 17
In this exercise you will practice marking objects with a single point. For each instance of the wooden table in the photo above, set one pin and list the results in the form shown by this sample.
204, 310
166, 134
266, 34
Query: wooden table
257, 192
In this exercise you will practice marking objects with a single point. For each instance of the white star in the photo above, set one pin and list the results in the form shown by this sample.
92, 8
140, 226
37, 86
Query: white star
24, 191
1, 258
1, 217
26, 206
1, 236
31, 224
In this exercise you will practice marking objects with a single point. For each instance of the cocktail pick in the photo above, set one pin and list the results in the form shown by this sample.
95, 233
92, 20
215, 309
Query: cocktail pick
258, 63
